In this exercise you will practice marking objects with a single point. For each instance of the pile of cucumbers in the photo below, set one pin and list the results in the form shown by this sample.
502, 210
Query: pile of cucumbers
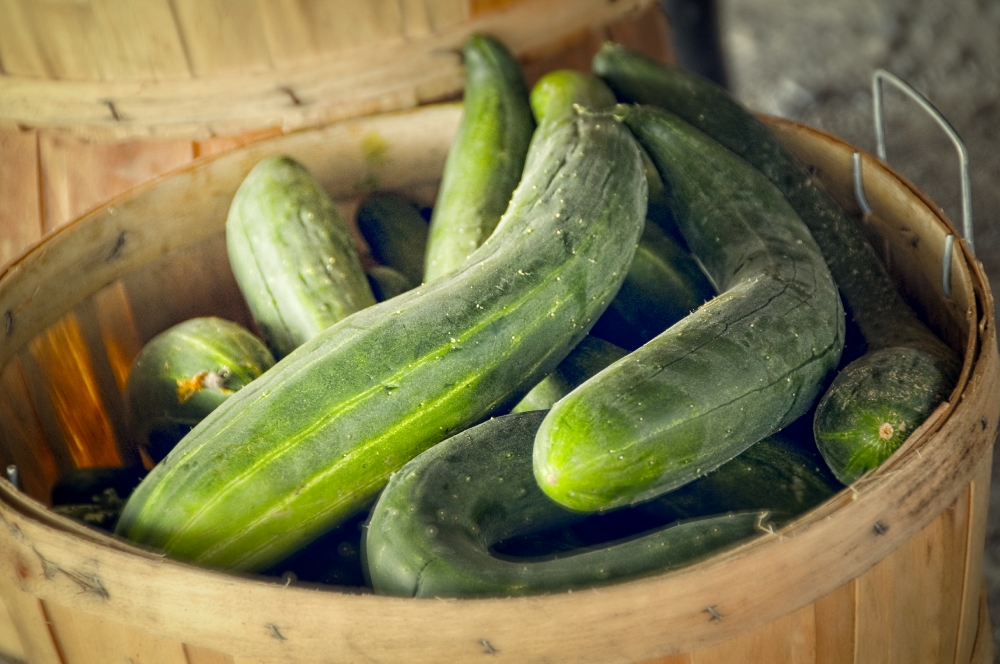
614, 346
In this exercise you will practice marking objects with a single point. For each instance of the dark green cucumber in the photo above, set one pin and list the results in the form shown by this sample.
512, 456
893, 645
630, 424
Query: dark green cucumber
590, 356
292, 255
486, 158
314, 440
892, 391
775, 474
663, 285
431, 530
184, 373
779, 475
387, 283
396, 233
732, 372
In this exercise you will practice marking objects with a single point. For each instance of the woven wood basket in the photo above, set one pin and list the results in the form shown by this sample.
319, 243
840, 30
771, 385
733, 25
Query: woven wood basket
889, 570
203, 68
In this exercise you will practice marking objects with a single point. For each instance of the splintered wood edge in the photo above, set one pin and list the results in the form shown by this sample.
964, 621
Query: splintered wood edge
53, 559
364, 81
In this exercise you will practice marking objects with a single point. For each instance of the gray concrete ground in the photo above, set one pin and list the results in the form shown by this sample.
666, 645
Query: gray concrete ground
812, 61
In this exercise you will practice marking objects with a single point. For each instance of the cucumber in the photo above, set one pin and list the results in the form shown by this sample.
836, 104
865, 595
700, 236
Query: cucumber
431, 530
396, 233
387, 283
874, 402
779, 475
742, 366
313, 441
184, 373
590, 356
663, 285
486, 158
556, 93
292, 254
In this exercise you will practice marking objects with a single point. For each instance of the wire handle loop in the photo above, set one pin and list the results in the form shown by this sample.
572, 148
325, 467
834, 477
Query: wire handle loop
963, 155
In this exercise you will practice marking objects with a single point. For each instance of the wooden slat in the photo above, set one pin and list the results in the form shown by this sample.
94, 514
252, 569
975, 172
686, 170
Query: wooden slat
77, 175
682, 658
20, 211
342, 26
20, 54
647, 32
223, 36
194, 282
196, 655
835, 625
28, 617
84, 637
220, 144
22, 435
93, 331
67, 372
97, 40
118, 330
10, 642
972, 583
895, 622
788, 640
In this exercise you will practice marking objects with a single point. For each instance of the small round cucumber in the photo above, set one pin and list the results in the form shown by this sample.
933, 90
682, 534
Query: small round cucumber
431, 531
868, 412
184, 373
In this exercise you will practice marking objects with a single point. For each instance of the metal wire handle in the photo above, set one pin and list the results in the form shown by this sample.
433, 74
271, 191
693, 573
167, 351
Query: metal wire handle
963, 157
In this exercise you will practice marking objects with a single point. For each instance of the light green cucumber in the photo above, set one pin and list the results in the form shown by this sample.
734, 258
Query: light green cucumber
299, 451
184, 373
486, 158
904, 371
590, 356
431, 531
292, 254
737, 369
396, 233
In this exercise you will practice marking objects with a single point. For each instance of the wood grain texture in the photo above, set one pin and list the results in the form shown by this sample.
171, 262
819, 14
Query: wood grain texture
25, 441
789, 640
78, 175
836, 625
250, 74
10, 642
20, 211
84, 637
67, 379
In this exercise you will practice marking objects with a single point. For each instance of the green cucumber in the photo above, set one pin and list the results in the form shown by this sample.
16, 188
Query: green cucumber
387, 283
737, 369
556, 93
396, 233
590, 356
184, 373
663, 285
780, 475
431, 530
300, 450
292, 254
486, 158
874, 402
